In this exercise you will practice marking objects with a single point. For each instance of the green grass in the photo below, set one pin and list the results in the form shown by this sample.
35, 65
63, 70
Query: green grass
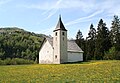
88, 72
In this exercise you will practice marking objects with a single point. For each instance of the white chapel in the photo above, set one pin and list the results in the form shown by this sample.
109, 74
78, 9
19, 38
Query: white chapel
59, 49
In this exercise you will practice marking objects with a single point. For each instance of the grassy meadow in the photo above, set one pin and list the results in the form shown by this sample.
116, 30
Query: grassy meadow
85, 72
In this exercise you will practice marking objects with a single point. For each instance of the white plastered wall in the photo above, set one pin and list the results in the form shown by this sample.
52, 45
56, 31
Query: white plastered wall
75, 56
46, 54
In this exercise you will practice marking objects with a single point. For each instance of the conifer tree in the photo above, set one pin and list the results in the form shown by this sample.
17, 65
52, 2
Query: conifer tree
102, 40
81, 42
79, 38
115, 37
91, 43
115, 33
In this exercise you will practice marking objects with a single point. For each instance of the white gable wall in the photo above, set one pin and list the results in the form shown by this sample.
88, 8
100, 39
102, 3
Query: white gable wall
46, 54
75, 56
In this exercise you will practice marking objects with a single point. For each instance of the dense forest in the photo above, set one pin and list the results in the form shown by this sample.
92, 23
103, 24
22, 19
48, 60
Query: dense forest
18, 43
103, 43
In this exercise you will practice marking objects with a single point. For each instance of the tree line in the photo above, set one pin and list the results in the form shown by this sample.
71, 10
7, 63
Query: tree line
101, 44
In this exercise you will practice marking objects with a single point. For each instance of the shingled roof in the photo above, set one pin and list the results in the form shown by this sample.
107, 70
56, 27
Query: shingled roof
71, 47
60, 25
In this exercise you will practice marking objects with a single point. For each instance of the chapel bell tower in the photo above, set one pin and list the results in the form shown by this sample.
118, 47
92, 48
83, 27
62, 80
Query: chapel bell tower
60, 43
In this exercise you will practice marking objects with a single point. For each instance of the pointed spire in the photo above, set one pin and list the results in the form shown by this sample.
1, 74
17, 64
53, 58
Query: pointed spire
59, 16
60, 25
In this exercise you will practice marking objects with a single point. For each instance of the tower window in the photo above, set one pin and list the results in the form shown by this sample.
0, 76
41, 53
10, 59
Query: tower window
56, 34
63, 33
55, 56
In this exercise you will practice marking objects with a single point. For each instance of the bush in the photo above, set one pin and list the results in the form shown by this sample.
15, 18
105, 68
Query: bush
15, 61
7, 61
112, 54
1, 62
117, 57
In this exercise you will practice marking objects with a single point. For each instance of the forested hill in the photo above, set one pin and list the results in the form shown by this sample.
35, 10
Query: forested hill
18, 43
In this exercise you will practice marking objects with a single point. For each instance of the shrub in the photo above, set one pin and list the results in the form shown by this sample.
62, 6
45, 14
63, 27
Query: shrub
112, 54
15, 61
7, 61
1, 62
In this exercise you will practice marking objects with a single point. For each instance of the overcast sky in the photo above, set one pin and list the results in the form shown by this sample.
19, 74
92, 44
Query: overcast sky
41, 16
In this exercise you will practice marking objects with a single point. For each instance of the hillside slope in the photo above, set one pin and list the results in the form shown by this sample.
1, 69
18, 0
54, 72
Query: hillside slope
18, 43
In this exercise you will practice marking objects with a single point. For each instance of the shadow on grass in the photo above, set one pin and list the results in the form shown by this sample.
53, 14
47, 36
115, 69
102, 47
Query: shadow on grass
79, 62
